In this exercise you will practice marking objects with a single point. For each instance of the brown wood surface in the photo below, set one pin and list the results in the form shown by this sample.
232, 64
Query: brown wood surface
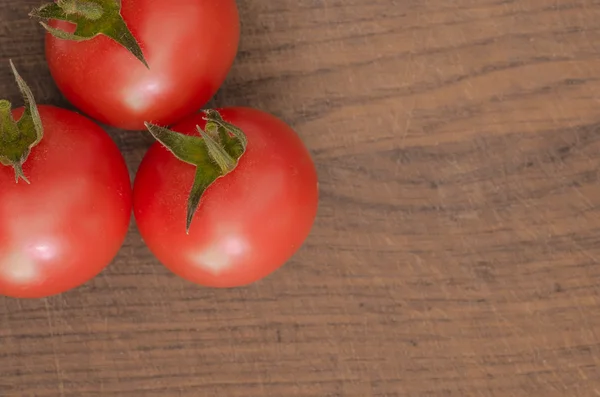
457, 244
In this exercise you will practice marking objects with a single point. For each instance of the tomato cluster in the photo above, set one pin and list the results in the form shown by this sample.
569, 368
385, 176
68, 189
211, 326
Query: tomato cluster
222, 199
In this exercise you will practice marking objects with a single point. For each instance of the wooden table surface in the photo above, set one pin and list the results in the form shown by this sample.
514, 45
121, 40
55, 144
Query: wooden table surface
457, 243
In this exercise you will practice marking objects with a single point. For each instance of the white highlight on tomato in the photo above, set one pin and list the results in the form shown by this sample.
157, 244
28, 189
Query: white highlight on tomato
19, 268
139, 95
32, 235
218, 257
44, 251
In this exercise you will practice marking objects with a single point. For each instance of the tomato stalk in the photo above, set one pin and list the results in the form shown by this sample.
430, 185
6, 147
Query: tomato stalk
18, 137
93, 18
86, 9
214, 154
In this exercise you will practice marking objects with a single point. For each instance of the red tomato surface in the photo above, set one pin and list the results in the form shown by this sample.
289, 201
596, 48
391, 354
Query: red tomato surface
189, 45
249, 222
67, 225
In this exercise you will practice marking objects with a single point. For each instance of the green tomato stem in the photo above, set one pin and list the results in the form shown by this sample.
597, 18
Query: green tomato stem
215, 153
92, 18
86, 9
17, 138
8, 126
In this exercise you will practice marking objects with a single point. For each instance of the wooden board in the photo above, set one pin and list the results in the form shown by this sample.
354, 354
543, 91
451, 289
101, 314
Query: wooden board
457, 243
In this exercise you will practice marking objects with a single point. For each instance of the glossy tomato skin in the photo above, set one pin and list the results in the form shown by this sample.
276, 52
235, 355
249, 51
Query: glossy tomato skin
66, 226
249, 222
189, 45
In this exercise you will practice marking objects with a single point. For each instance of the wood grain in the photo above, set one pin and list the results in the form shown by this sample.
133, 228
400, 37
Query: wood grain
457, 245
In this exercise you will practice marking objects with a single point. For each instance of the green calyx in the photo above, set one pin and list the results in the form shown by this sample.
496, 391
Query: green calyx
215, 153
92, 17
18, 137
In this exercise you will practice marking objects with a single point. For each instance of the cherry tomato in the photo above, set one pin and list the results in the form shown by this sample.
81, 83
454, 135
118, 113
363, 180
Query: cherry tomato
189, 46
66, 226
249, 222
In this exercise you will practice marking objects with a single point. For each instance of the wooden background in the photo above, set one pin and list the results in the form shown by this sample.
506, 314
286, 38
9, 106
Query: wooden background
458, 238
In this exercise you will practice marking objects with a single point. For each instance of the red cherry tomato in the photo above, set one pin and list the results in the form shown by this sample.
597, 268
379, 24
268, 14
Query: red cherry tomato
66, 226
189, 45
249, 222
